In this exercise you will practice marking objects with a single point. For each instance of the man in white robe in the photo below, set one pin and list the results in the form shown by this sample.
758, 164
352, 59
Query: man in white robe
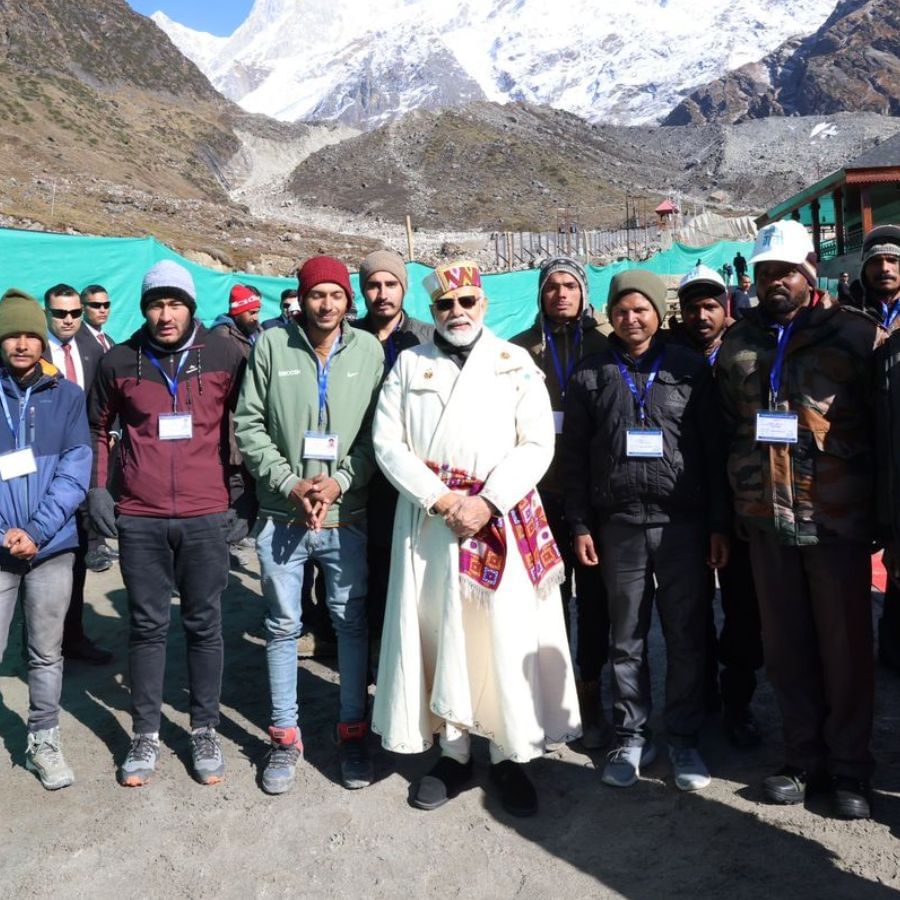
474, 640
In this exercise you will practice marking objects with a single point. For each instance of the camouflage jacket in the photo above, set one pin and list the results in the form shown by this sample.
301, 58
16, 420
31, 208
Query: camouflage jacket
820, 489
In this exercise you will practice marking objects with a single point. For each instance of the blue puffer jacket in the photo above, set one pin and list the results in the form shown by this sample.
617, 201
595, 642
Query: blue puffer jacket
43, 504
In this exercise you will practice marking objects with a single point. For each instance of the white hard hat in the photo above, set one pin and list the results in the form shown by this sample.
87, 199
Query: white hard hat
701, 276
786, 241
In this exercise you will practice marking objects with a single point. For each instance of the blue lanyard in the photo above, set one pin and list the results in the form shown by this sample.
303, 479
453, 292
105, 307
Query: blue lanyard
323, 380
784, 336
640, 398
171, 383
18, 433
554, 355
890, 313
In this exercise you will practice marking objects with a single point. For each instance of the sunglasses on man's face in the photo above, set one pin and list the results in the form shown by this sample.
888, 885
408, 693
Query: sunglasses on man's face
94, 304
445, 304
63, 313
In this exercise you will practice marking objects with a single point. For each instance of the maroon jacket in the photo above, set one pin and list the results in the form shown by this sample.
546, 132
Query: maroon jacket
168, 479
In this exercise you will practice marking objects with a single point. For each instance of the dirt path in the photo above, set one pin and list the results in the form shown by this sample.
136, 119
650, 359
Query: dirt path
178, 839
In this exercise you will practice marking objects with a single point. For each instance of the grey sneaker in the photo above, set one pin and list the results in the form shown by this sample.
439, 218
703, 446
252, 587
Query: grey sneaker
284, 754
206, 756
623, 765
691, 773
357, 770
45, 759
140, 764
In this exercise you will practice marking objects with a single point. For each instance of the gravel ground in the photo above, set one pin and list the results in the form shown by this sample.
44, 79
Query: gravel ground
176, 838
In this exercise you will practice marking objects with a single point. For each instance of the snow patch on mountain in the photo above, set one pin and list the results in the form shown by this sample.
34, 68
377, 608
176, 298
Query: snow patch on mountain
363, 64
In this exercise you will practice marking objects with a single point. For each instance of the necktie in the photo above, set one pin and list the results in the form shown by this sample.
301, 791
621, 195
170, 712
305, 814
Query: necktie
104, 342
70, 363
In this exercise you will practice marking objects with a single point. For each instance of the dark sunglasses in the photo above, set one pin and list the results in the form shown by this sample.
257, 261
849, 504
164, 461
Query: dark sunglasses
93, 304
62, 313
445, 304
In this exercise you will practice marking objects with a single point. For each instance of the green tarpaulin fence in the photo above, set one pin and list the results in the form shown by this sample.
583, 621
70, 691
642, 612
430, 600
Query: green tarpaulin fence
33, 261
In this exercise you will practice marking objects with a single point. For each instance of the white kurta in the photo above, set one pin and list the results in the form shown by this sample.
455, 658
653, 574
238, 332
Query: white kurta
500, 669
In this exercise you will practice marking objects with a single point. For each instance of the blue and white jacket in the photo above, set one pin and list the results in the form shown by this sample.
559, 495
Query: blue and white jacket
55, 426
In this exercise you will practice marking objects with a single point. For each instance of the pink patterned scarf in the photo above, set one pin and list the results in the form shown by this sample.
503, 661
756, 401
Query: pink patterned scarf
482, 558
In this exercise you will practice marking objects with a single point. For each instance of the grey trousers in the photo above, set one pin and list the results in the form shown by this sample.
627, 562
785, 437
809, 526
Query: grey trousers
816, 610
45, 589
631, 555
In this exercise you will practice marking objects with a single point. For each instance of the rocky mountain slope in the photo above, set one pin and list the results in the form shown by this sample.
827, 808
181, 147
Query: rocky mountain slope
510, 167
364, 64
851, 62
106, 128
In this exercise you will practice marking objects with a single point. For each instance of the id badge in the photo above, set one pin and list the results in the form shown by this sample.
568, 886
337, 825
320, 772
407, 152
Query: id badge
558, 421
17, 463
644, 443
320, 445
176, 427
776, 427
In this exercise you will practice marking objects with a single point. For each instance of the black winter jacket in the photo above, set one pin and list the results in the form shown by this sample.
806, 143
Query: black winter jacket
602, 484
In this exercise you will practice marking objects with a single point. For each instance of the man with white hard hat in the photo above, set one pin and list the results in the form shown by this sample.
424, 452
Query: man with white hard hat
795, 378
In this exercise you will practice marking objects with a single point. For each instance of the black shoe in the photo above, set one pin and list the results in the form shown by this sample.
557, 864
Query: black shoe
517, 793
446, 779
86, 650
97, 560
741, 728
786, 786
851, 798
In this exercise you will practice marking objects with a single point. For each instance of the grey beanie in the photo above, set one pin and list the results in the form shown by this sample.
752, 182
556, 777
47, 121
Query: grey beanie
383, 261
642, 281
168, 279
569, 266
881, 241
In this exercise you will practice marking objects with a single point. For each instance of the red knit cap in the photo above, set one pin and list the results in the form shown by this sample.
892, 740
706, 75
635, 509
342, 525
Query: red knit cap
242, 299
319, 269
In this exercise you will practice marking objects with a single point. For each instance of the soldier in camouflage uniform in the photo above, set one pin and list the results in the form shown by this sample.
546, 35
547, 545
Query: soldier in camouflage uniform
796, 378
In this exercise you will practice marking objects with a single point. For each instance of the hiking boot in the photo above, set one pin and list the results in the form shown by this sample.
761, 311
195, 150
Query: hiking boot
445, 780
623, 765
517, 793
741, 728
595, 730
44, 757
206, 756
140, 763
284, 753
851, 798
787, 786
356, 766
691, 773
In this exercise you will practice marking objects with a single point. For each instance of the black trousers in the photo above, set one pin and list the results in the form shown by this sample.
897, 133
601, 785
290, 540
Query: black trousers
592, 644
73, 629
815, 604
158, 556
738, 647
675, 554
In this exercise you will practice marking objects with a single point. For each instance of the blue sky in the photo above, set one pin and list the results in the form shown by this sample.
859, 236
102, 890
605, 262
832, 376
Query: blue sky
221, 17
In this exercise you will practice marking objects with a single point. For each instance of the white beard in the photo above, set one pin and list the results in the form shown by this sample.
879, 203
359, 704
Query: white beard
456, 338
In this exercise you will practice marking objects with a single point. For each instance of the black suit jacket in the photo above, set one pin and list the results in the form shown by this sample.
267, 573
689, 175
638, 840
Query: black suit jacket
91, 353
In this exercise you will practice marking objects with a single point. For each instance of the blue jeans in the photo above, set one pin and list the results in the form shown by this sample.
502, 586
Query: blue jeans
45, 589
341, 554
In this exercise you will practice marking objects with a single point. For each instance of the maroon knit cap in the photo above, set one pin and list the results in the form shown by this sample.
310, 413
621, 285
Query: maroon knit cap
319, 269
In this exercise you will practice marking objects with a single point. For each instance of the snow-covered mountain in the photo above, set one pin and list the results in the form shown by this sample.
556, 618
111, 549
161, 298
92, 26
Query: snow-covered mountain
368, 61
